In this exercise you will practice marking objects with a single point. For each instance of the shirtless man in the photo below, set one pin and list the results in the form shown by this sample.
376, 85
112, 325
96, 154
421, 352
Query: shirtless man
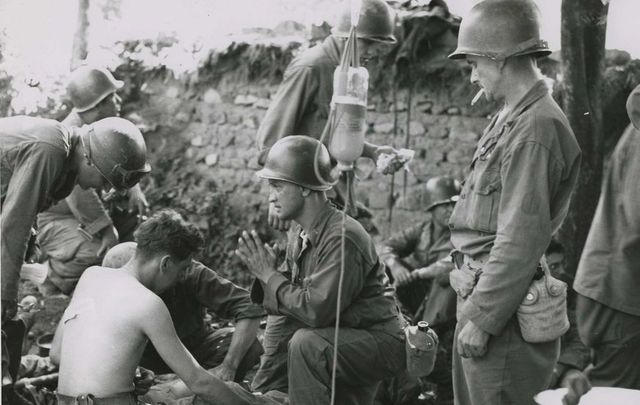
103, 332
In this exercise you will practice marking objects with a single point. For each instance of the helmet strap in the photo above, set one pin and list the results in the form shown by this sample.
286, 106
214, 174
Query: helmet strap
86, 147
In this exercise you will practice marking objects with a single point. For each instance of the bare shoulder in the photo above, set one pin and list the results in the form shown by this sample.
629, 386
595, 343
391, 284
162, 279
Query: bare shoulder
121, 290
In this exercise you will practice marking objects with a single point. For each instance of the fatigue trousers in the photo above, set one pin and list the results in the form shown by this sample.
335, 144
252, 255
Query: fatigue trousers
511, 372
69, 254
272, 374
614, 337
365, 358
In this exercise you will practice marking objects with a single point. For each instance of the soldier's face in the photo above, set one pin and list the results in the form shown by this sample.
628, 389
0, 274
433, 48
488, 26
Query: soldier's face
371, 49
286, 199
486, 73
442, 213
90, 177
171, 271
110, 106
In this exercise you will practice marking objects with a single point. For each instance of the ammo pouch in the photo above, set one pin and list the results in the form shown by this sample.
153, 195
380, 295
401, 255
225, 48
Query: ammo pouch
542, 315
463, 279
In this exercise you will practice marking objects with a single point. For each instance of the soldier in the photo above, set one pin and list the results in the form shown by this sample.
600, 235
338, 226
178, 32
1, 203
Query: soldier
304, 292
77, 231
197, 290
114, 313
608, 305
516, 195
42, 160
418, 259
302, 103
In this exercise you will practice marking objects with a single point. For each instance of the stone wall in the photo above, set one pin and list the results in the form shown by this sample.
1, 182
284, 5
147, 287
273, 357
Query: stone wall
209, 124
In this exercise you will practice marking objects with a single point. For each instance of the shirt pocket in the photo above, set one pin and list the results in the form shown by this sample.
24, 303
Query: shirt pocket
485, 195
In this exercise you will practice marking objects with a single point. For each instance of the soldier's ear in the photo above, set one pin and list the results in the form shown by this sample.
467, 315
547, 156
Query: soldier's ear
305, 191
165, 263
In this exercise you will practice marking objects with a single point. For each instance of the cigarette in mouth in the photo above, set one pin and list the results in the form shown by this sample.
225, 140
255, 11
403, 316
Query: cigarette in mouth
477, 96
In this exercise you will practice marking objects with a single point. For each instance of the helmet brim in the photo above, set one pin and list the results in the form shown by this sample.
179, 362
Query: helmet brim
268, 174
452, 200
387, 39
463, 53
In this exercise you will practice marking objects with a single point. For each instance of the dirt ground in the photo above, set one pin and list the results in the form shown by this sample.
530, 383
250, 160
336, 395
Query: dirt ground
45, 319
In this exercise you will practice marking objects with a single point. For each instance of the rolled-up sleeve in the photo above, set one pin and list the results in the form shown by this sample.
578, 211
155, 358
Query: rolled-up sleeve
314, 301
530, 175
401, 244
221, 296
293, 98
35, 173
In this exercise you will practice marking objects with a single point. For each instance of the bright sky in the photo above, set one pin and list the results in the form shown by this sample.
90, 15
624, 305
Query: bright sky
39, 32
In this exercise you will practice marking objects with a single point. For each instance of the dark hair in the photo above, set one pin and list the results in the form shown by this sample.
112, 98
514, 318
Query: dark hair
555, 247
166, 231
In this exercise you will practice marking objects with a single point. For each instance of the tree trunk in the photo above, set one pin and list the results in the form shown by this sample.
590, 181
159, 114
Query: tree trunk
79, 52
584, 24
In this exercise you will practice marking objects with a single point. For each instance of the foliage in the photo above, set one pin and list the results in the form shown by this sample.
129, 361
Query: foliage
177, 183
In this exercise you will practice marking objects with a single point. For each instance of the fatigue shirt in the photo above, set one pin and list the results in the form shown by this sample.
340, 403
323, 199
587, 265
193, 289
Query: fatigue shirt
199, 289
302, 103
516, 195
419, 247
308, 289
35, 171
609, 269
84, 205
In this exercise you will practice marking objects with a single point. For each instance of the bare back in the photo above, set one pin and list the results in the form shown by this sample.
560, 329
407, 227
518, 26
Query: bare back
102, 337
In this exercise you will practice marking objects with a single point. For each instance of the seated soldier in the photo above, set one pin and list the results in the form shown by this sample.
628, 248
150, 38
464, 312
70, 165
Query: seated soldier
103, 332
418, 260
303, 295
200, 289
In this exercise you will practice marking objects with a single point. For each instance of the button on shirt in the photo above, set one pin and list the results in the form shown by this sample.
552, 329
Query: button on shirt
310, 296
516, 195
35, 171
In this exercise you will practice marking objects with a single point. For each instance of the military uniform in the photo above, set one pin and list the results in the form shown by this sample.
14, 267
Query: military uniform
304, 295
608, 306
35, 171
198, 290
516, 195
301, 105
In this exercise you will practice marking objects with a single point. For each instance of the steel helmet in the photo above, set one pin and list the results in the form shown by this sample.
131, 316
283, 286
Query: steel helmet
88, 86
119, 255
292, 159
498, 29
116, 148
442, 190
633, 107
376, 22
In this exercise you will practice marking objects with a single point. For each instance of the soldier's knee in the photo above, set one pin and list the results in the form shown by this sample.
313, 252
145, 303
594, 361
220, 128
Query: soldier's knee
305, 341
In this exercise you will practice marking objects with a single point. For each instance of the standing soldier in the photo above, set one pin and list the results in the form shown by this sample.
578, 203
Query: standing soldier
302, 103
608, 304
516, 195
304, 292
76, 232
